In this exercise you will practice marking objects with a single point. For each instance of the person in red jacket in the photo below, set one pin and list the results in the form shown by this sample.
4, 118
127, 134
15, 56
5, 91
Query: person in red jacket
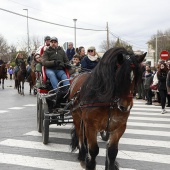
47, 43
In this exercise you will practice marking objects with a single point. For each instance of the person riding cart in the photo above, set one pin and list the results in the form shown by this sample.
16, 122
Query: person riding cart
55, 61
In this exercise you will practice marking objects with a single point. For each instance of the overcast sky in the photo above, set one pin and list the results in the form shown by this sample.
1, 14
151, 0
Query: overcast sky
134, 21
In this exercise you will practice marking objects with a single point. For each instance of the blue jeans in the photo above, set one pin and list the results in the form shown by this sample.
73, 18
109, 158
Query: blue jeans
55, 75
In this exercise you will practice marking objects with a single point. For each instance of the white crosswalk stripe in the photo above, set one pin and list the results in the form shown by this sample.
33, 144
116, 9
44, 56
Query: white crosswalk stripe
146, 141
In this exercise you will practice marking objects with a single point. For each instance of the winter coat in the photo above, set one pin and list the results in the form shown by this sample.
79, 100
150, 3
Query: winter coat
70, 53
168, 82
18, 61
10, 71
86, 63
162, 80
148, 81
51, 55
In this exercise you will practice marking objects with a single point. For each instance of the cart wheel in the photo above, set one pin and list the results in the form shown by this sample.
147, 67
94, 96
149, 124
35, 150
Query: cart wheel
39, 114
45, 130
104, 135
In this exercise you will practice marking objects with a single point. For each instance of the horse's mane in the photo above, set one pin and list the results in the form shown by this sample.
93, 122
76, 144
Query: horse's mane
107, 81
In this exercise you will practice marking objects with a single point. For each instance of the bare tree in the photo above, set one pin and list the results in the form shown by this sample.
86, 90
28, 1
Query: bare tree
163, 41
3, 48
35, 43
103, 45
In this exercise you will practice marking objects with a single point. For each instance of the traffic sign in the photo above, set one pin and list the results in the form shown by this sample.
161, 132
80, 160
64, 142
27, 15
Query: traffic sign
164, 55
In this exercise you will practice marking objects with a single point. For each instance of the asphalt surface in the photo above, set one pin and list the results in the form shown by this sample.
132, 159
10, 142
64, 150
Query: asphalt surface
144, 146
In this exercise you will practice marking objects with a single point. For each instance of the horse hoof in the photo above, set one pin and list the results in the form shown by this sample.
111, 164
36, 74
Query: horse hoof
83, 165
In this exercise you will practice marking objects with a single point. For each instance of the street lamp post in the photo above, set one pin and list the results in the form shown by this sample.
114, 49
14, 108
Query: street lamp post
156, 49
75, 32
27, 30
156, 46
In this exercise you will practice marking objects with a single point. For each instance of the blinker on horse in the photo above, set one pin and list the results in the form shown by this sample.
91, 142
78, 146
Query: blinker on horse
101, 101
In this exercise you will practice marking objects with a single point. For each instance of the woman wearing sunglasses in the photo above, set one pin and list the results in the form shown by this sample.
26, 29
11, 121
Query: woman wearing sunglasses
91, 60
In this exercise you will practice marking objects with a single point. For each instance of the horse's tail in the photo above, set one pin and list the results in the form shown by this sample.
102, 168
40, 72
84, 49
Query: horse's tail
74, 140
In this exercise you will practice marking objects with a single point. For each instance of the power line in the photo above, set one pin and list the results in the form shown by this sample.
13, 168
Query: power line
86, 29
134, 44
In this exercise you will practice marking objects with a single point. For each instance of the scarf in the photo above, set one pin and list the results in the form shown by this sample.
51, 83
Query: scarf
93, 58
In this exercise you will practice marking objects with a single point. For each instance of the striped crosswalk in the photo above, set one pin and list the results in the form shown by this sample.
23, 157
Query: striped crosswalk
144, 146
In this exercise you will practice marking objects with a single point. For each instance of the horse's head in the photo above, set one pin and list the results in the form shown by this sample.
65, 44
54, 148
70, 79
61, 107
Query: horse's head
115, 76
128, 75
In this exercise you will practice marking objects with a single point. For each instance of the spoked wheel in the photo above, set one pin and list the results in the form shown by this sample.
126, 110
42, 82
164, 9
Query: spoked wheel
39, 113
35, 91
45, 124
104, 135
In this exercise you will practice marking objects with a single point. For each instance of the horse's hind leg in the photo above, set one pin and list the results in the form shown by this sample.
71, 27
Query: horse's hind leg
78, 139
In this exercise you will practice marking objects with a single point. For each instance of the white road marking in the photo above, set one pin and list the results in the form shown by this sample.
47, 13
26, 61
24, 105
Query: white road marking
122, 154
16, 108
3, 111
157, 125
150, 119
127, 141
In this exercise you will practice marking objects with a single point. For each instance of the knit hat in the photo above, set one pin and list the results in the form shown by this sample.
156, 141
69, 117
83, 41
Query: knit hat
91, 48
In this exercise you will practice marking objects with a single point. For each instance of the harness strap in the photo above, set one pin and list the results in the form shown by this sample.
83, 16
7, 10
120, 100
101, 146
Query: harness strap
108, 121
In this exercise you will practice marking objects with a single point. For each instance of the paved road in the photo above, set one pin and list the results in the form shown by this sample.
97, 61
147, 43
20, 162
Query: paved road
144, 146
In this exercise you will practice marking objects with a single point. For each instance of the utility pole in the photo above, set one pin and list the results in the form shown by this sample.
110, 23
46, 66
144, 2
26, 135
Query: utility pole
27, 31
75, 33
107, 28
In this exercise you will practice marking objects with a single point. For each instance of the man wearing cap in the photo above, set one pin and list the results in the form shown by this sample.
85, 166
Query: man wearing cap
55, 60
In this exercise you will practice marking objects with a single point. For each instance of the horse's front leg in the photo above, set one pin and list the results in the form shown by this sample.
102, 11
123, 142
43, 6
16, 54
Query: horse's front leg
22, 89
93, 148
112, 148
30, 88
2, 83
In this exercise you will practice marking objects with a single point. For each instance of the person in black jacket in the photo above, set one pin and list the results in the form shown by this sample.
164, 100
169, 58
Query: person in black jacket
162, 75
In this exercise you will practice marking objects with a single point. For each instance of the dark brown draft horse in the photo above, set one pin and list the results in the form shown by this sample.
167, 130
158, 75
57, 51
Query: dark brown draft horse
20, 78
3, 74
101, 101
32, 80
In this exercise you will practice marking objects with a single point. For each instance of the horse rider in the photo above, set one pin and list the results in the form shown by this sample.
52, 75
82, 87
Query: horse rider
18, 60
55, 60
29, 61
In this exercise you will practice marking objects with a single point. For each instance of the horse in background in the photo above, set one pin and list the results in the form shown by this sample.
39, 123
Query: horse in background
101, 101
20, 78
32, 80
3, 74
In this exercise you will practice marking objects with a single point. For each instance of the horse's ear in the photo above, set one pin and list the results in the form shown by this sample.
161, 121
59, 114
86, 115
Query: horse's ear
120, 58
141, 57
